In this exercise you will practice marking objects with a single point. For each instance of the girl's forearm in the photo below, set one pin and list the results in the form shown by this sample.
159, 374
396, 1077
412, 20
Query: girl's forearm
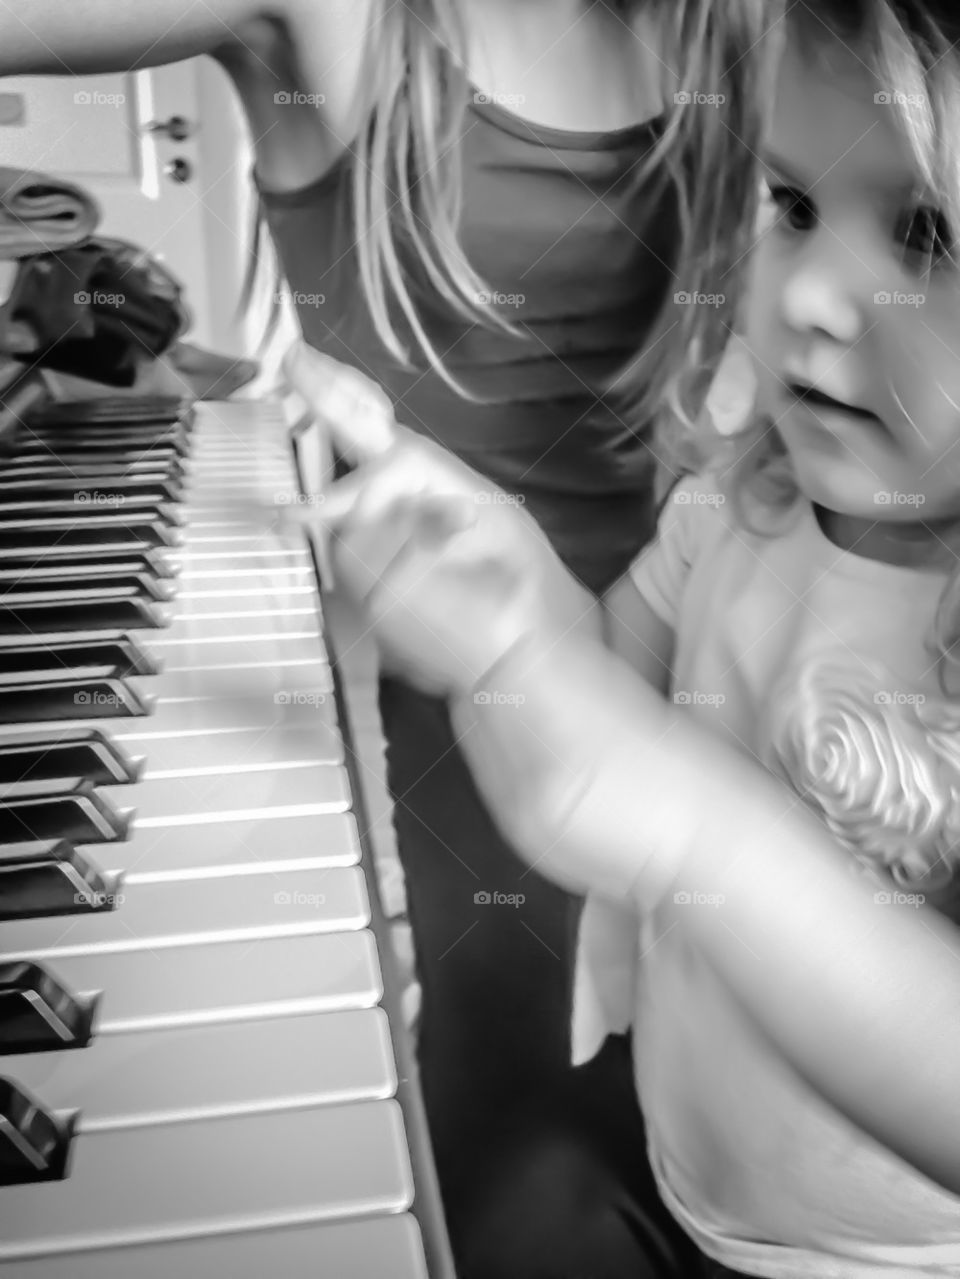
604, 787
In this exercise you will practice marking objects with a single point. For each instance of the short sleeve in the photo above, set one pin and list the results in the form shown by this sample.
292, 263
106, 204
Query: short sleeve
689, 517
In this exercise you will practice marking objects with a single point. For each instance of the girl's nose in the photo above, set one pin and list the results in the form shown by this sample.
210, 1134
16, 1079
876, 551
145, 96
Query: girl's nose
828, 292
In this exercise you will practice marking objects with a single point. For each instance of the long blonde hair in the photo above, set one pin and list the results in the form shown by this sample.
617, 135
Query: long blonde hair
913, 52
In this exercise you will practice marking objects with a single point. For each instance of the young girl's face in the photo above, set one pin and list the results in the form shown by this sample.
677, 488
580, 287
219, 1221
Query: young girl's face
852, 298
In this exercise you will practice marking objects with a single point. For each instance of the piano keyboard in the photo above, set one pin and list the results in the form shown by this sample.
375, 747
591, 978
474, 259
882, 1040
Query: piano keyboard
197, 1069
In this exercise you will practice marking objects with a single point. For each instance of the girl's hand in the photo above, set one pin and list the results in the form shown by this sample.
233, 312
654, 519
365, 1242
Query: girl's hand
450, 574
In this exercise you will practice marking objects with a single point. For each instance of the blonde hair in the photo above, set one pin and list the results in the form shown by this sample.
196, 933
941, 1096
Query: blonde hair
407, 188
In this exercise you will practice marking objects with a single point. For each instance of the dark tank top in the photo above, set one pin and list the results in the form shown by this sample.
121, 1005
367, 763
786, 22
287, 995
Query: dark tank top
574, 252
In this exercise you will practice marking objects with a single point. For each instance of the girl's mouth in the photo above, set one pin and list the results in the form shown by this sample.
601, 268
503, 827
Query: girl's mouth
816, 398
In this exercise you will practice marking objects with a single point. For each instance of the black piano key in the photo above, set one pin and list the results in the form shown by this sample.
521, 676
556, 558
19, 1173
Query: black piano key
100, 439
45, 564
78, 510
59, 808
106, 490
51, 581
115, 408
147, 456
129, 529
121, 654
34, 1144
80, 694
38, 1014
151, 559
104, 468
50, 877
74, 752
107, 608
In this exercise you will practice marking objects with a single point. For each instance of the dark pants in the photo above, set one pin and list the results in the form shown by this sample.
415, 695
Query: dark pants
496, 973
568, 1193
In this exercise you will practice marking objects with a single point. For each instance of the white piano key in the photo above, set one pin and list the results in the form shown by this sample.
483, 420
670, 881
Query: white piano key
188, 1072
155, 915
311, 788
368, 1249
214, 983
266, 842
260, 648
214, 1176
196, 628
296, 679
240, 750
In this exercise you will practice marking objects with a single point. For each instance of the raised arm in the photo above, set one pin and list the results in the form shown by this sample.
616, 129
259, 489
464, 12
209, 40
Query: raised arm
326, 40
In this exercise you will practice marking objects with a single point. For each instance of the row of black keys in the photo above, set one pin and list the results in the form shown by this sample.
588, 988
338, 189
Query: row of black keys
88, 496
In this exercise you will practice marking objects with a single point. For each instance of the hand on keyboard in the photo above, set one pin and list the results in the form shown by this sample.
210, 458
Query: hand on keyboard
344, 402
452, 573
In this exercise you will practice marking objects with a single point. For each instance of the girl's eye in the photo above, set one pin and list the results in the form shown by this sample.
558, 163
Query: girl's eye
925, 235
794, 206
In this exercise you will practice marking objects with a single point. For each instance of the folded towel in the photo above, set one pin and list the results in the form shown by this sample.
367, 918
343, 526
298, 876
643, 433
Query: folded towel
41, 214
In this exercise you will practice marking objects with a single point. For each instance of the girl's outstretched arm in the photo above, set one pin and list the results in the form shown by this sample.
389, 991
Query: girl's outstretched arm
605, 787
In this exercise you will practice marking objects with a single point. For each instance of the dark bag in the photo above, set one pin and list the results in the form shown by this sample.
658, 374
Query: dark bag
94, 311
